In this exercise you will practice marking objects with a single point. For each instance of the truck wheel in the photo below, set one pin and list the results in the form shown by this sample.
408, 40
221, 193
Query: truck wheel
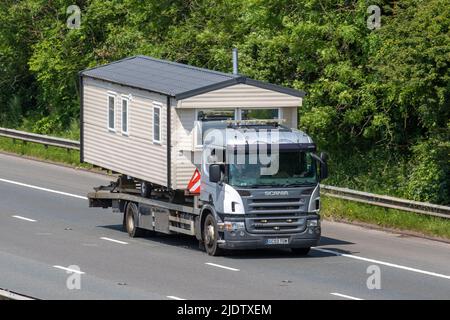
300, 251
210, 236
131, 218
146, 189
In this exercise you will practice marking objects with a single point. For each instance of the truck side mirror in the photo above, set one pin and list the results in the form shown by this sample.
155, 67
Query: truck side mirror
215, 173
323, 165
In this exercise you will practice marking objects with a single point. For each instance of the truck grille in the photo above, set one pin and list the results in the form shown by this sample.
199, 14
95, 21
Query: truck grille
275, 224
275, 215
269, 206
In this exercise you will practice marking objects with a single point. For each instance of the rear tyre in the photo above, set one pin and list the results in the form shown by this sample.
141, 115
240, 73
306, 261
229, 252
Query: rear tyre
146, 189
300, 251
210, 236
131, 221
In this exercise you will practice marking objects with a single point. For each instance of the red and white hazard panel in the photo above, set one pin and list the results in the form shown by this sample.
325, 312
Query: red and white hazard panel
194, 184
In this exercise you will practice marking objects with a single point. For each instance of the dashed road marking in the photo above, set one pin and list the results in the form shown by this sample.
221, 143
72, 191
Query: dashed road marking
43, 189
69, 270
388, 264
175, 298
24, 218
220, 266
113, 240
345, 296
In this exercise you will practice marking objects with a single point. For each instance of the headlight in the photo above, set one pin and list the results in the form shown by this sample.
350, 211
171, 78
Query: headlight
233, 226
312, 223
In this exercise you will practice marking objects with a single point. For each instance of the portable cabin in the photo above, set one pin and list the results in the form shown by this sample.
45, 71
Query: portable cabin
141, 116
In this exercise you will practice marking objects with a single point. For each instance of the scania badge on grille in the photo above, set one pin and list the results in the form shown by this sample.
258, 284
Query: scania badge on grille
276, 193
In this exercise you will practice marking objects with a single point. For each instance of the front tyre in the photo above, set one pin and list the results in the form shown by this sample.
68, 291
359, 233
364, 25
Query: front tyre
210, 236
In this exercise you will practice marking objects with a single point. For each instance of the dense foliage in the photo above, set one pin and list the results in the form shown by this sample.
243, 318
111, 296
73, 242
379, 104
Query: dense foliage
378, 100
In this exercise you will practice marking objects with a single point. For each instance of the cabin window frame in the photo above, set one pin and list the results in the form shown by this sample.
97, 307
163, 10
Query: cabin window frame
197, 130
125, 132
157, 106
110, 95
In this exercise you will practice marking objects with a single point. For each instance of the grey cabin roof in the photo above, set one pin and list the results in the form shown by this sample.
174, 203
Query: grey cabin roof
173, 79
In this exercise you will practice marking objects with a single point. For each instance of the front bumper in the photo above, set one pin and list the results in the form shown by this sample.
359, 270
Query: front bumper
242, 239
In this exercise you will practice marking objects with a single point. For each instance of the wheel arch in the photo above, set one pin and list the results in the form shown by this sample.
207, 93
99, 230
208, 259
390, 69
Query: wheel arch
206, 209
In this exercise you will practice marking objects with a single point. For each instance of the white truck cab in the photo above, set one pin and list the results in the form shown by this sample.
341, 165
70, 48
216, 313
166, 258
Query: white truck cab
260, 187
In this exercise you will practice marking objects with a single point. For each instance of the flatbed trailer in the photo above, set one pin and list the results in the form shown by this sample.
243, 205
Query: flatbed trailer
148, 214
143, 215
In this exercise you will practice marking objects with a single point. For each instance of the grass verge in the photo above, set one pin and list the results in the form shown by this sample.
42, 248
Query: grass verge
53, 154
348, 211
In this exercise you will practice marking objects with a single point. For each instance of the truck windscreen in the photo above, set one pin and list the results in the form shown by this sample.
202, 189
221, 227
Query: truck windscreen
296, 168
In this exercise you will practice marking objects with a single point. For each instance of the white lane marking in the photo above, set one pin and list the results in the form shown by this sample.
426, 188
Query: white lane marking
388, 264
23, 218
70, 270
345, 296
43, 189
220, 266
175, 298
13, 296
113, 240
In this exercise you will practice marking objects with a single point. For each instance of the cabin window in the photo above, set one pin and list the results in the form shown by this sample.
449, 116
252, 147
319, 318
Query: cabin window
111, 113
261, 114
156, 123
215, 115
204, 122
125, 116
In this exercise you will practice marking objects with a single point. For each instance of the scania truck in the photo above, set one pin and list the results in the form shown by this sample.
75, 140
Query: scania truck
259, 187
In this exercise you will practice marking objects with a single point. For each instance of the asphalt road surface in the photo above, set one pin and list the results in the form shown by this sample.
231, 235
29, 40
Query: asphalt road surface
47, 230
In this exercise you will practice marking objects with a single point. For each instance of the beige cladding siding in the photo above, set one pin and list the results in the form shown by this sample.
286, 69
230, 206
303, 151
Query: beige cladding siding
183, 126
182, 156
182, 138
135, 155
241, 96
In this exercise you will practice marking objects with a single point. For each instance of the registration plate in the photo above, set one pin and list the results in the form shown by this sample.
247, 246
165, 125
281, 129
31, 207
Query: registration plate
277, 241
